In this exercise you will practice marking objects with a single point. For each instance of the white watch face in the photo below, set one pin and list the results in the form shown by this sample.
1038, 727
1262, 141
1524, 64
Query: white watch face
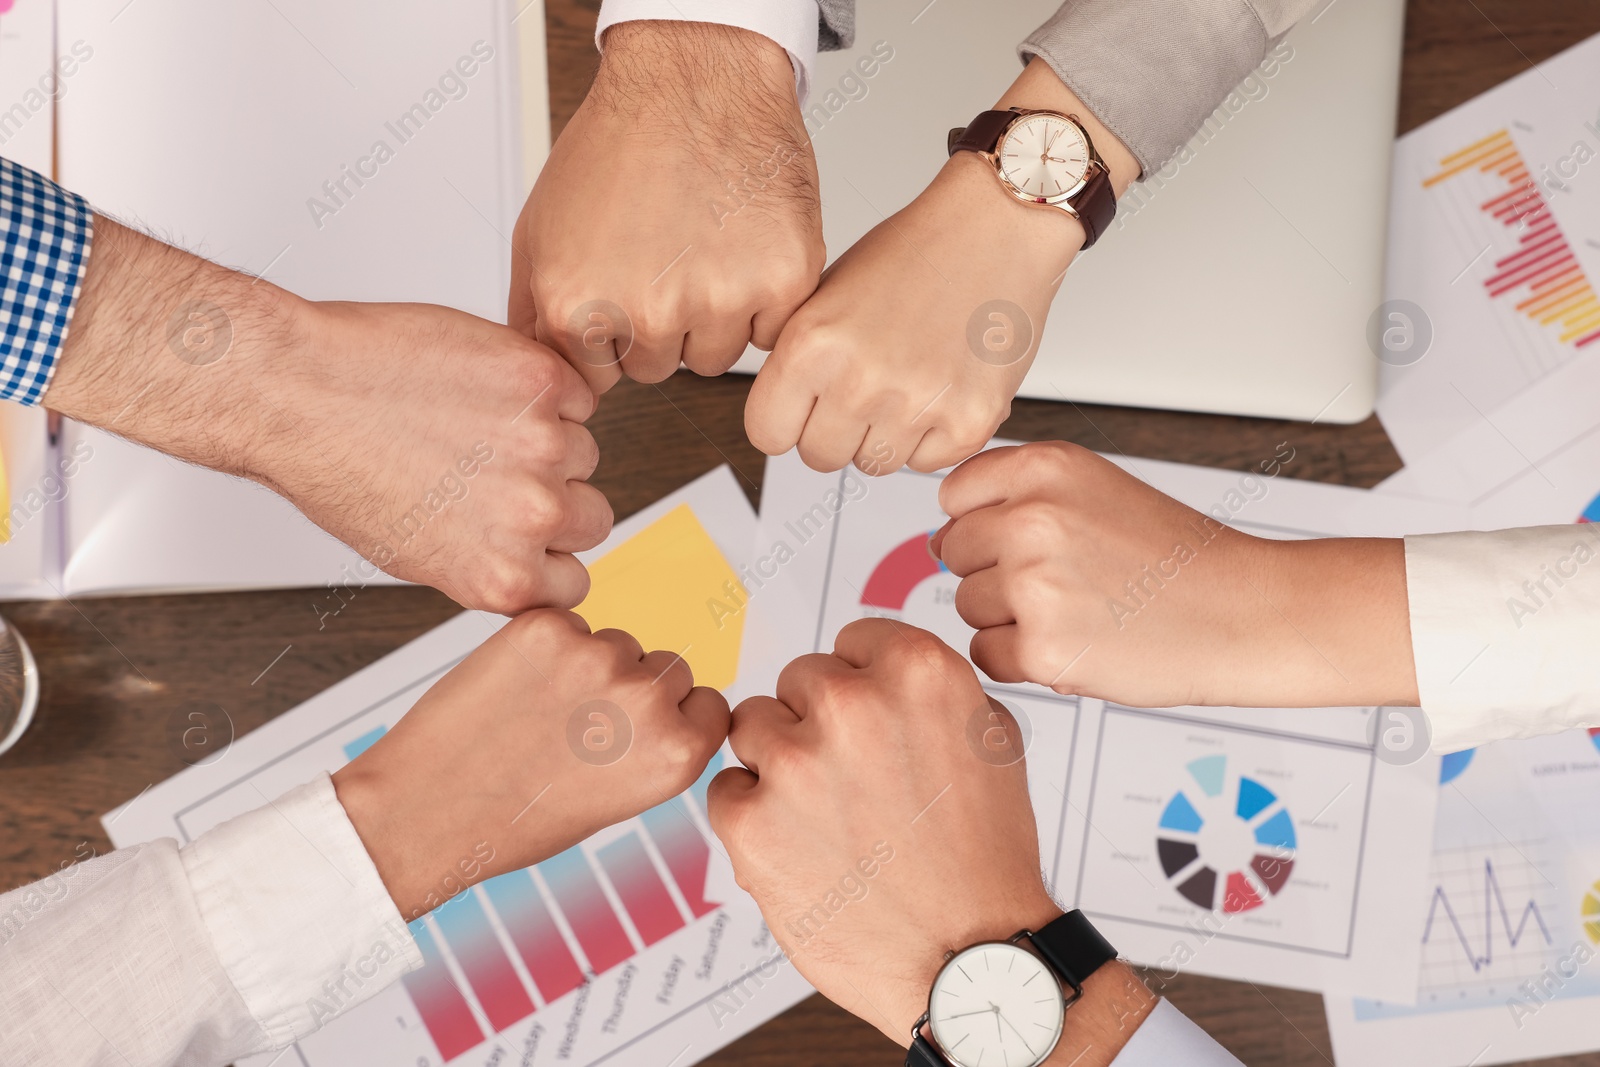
996, 1005
1044, 156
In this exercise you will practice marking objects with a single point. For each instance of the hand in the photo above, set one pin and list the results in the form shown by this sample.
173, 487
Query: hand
445, 449
677, 218
544, 735
876, 838
912, 348
1080, 577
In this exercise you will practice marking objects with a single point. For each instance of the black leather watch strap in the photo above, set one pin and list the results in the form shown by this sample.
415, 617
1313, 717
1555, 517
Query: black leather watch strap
1072, 947
922, 1054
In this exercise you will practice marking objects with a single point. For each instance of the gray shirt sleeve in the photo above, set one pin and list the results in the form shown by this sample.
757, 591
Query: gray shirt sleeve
836, 26
1152, 72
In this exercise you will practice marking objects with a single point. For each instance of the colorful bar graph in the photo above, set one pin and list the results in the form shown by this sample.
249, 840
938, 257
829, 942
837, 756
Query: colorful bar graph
551, 964
443, 1009
685, 851
643, 893
467, 931
578, 894
1543, 266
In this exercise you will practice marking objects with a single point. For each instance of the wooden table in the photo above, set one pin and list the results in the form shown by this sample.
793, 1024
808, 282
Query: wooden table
121, 675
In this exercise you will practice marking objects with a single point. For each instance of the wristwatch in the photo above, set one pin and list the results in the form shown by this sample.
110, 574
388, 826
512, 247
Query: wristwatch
997, 1003
1044, 157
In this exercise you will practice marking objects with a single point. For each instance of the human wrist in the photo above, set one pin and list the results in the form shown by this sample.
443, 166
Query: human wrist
409, 858
1349, 594
967, 182
700, 66
1114, 1001
167, 349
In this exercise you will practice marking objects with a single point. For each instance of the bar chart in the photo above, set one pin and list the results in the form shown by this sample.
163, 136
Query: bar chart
577, 915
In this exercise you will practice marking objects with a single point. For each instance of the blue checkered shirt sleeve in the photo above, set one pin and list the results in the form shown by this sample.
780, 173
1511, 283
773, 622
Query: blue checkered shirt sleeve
45, 233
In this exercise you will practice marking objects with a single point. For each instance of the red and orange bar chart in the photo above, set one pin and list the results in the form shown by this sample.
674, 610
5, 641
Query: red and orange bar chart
599, 938
1543, 271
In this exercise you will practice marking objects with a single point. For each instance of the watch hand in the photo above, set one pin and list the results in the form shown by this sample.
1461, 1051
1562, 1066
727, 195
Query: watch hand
1014, 1030
963, 1015
999, 1034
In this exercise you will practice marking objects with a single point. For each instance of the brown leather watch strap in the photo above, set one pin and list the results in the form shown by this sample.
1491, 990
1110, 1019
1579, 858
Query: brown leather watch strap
983, 135
1095, 204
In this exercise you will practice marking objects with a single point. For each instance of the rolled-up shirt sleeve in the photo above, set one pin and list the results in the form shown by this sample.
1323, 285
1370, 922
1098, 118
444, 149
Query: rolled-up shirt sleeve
249, 938
1152, 72
1505, 628
45, 234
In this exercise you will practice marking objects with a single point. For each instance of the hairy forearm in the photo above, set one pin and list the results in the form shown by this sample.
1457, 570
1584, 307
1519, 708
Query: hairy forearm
166, 349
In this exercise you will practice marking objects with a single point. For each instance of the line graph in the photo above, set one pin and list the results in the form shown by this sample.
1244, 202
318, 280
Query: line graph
1494, 906
1494, 918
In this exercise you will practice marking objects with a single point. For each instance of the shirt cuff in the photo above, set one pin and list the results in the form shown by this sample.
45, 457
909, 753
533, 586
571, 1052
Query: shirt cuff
1504, 628
300, 919
1167, 1036
792, 24
1154, 73
45, 233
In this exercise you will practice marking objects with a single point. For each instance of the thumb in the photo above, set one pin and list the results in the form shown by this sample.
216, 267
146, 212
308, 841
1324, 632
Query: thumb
936, 542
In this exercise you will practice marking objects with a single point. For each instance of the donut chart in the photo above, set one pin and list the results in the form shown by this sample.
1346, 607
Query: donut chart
905, 567
1592, 512
1256, 811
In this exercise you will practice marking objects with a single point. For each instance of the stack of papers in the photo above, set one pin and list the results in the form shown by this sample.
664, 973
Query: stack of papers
1495, 252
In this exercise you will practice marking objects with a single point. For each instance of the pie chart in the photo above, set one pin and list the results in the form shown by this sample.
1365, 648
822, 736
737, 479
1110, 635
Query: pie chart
1591, 913
1594, 735
905, 567
1592, 512
1225, 843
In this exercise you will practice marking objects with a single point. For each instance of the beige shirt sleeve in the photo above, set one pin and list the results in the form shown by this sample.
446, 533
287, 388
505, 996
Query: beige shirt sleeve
1153, 72
1505, 631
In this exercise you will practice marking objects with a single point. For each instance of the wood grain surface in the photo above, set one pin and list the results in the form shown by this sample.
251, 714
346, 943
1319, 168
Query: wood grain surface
121, 677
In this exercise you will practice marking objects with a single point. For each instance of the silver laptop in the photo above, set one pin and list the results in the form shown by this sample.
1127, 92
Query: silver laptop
1241, 280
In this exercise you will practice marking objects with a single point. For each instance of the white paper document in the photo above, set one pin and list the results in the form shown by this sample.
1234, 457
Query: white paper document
1260, 844
1511, 917
1494, 250
613, 952
355, 151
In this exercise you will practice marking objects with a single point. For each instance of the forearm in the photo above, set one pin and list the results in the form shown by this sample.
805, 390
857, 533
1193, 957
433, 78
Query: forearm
169, 350
1332, 621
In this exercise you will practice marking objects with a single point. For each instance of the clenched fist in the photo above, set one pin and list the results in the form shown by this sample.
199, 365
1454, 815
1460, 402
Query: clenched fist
544, 735
677, 219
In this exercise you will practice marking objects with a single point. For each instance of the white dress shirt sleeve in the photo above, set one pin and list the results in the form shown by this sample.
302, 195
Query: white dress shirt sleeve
1167, 1038
1505, 631
791, 24
246, 940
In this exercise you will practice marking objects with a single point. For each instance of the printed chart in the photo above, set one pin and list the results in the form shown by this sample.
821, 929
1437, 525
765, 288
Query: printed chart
1239, 828
1247, 812
1509, 965
1541, 268
1249, 834
609, 952
1493, 253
